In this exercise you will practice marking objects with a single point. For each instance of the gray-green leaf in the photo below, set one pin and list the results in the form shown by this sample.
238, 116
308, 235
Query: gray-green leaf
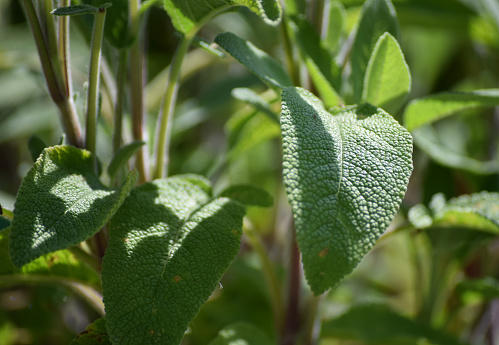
172, 242
388, 80
435, 107
254, 59
74, 10
345, 175
60, 203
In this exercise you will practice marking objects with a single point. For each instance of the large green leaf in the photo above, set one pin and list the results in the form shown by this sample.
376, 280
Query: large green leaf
378, 325
388, 80
323, 70
60, 203
169, 245
427, 139
376, 18
254, 59
188, 16
241, 334
345, 175
434, 107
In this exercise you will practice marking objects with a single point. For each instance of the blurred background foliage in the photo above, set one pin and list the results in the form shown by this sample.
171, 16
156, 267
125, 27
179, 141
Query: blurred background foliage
448, 44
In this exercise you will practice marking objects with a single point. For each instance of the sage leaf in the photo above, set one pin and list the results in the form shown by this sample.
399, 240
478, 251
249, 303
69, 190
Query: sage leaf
377, 325
251, 97
388, 80
345, 175
74, 10
248, 195
36, 146
323, 70
188, 16
95, 334
335, 25
60, 203
173, 242
435, 107
241, 333
257, 61
376, 18
121, 157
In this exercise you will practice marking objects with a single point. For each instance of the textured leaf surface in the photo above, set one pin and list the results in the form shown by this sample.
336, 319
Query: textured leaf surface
60, 203
426, 138
432, 108
187, 15
75, 10
241, 334
378, 325
479, 211
345, 176
321, 65
388, 80
254, 59
248, 195
376, 18
172, 242
95, 334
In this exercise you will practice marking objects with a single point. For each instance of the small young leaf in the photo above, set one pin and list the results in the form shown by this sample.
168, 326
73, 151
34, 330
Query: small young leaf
251, 97
435, 107
60, 203
172, 242
376, 18
325, 73
427, 140
74, 10
241, 333
95, 334
248, 195
36, 146
122, 156
388, 80
208, 46
345, 176
260, 63
378, 325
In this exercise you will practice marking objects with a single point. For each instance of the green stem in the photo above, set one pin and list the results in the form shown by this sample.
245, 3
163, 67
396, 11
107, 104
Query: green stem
136, 89
269, 273
63, 48
93, 81
293, 69
309, 336
85, 257
166, 112
53, 51
120, 96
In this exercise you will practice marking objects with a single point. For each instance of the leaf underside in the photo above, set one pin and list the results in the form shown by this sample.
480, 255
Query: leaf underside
345, 176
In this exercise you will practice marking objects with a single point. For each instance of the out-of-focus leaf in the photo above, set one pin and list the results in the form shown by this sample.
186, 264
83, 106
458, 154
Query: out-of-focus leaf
60, 203
388, 80
345, 174
294, 7
426, 139
378, 325
335, 27
251, 97
321, 65
257, 61
36, 146
121, 157
95, 334
241, 334
208, 46
485, 289
6, 265
248, 195
376, 18
435, 107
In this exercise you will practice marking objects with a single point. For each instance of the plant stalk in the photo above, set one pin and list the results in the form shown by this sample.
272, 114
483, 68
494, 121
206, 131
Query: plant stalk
120, 97
93, 81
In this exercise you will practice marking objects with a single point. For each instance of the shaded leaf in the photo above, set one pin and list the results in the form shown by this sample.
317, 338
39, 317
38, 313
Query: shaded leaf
376, 18
173, 242
486, 289
122, 156
241, 333
257, 61
60, 203
76, 10
435, 107
95, 334
36, 146
248, 195
388, 80
345, 175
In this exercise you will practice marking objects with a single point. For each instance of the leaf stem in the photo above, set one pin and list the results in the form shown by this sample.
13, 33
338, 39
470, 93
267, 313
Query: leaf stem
93, 81
293, 69
269, 273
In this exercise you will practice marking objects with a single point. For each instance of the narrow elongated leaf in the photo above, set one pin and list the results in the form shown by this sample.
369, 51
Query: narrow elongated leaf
257, 61
60, 203
187, 15
376, 18
248, 195
427, 140
435, 107
321, 65
241, 333
251, 97
122, 156
75, 10
172, 242
95, 334
335, 25
388, 80
345, 175
378, 325
485, 289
